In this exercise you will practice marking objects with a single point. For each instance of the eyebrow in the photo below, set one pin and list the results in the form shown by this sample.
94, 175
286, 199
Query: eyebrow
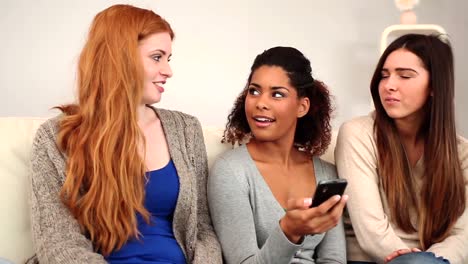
401, 69
160, 50
273, 87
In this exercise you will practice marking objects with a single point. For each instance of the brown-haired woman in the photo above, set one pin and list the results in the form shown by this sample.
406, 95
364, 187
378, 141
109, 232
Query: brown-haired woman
407, 169
260, 193
114, 179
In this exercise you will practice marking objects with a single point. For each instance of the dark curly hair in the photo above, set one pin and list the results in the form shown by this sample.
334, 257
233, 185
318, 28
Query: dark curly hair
313, 131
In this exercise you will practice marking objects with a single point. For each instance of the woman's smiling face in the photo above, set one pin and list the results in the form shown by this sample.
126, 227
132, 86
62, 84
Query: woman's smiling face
272, 106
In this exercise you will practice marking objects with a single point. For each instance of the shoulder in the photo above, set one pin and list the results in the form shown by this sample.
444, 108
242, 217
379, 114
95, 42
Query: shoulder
233, 163
358, 125
325, 169
177, 117
179, 124
357, 133
47, 131
463, 154
236, 157
462, 144
45, 146
232, 168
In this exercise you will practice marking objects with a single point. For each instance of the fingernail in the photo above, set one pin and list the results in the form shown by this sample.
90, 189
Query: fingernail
337, 198
307, 201
345, 197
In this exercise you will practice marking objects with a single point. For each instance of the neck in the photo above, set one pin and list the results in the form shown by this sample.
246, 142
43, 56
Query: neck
280, 153
409, 130
410, 136
145, 115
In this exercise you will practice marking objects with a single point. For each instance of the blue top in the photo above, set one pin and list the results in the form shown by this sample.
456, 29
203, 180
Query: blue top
157, 244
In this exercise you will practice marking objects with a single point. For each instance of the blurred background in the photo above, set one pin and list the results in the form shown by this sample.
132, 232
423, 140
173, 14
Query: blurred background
216, 42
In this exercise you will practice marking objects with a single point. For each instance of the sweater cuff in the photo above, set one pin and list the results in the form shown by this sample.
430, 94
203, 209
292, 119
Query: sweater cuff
279, 237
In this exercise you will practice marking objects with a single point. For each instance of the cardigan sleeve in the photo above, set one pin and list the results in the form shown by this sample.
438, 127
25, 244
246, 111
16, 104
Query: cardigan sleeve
332, 249
207, 249
356, 161
455, 247
57, 237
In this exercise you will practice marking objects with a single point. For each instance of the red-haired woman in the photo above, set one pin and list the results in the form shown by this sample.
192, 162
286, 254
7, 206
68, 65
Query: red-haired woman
406, 167
114, 179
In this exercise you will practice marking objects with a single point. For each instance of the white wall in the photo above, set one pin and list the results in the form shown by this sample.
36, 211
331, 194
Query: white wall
216, 42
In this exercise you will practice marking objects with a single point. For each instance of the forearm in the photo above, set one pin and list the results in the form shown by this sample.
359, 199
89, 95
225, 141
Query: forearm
68, 254
56, 233
356, 161
455, 247
57, 240
277, 249
332, 249
208, 249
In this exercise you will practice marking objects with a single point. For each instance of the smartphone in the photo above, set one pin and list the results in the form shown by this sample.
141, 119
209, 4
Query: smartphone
326, 189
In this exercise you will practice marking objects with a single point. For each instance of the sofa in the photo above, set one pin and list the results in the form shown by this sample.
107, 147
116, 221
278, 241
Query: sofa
16, 136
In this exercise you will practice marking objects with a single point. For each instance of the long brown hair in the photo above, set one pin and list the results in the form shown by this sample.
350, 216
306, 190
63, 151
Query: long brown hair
313, 131
105, 176
442, 197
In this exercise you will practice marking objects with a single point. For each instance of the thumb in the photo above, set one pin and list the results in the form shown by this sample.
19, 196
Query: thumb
301, 203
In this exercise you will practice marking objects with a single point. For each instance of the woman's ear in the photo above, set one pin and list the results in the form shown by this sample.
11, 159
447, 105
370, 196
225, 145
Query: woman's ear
304, 105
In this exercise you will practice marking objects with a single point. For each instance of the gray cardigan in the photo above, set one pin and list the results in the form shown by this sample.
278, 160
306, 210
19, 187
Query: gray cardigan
56, 234
246, 216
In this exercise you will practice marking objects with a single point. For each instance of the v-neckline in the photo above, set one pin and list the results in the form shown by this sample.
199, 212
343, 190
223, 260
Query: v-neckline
265, 185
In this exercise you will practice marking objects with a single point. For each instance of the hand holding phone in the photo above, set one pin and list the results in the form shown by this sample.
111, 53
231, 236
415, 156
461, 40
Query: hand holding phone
326, 189
298, 221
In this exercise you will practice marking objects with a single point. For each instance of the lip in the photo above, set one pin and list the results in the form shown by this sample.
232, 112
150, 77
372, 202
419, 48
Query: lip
263, 124
158, 85
391, 99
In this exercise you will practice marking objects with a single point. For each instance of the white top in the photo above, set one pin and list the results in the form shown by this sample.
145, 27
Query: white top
373, 235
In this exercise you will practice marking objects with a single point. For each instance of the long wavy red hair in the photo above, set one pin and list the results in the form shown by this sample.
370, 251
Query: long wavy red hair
105, 176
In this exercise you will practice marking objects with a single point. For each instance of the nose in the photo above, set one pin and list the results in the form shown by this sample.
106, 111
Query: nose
389, 83
166, 70
262, 102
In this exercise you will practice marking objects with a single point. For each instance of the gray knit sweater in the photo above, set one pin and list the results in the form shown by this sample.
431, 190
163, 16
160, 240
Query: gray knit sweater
246, 216
56, 234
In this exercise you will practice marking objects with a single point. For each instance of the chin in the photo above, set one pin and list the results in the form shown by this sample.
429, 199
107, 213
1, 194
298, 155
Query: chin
150, 101
263, 137
393, 115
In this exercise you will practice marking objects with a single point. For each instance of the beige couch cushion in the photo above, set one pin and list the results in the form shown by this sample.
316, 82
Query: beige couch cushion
16, 135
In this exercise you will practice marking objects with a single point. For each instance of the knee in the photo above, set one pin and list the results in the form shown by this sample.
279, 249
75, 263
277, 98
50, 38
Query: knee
419, 258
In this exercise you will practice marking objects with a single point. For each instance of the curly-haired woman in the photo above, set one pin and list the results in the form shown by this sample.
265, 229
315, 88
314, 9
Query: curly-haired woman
260, 193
